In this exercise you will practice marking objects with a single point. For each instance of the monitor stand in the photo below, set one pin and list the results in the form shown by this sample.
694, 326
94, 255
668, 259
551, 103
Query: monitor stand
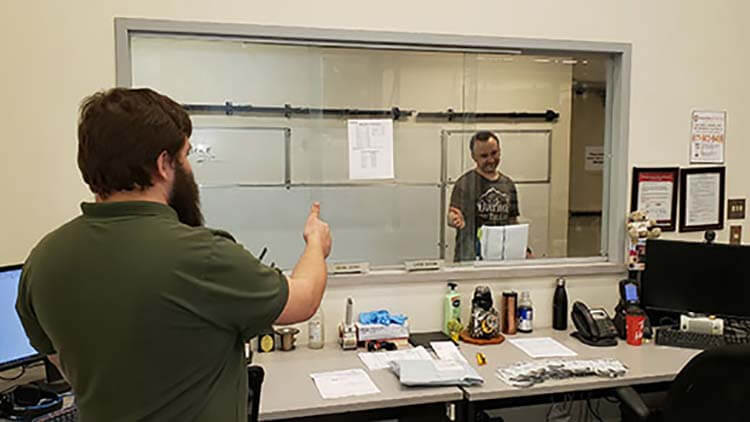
54, 381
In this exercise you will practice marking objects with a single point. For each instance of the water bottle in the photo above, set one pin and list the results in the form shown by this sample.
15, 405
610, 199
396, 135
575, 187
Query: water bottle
525, 313
560, 306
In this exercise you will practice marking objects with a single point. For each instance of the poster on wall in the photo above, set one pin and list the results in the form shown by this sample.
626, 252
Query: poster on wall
594, 158
702, 199
707, 137
370, 149
655, 193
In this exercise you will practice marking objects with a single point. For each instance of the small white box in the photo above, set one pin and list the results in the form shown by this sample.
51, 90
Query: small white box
702, 324
366, 332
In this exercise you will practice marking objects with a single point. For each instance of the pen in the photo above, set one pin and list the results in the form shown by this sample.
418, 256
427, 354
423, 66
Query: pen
262, 253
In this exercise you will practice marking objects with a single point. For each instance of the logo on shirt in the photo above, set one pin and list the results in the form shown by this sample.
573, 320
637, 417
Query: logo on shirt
493, 207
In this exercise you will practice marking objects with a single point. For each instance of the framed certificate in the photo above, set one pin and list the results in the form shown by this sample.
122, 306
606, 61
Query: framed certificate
702, 199
655, 193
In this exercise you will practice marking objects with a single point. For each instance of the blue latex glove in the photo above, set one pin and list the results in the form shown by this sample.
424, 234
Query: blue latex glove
381, 317
399, 319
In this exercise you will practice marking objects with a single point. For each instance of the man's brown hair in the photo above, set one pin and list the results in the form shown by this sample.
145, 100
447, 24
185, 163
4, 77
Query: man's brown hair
121, 133
482, 136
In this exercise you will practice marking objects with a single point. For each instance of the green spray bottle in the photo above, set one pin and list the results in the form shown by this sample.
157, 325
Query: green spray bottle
452, 312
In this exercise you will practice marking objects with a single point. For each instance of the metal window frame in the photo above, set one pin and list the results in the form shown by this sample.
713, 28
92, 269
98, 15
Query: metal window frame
548, 132
614, 206
287, 131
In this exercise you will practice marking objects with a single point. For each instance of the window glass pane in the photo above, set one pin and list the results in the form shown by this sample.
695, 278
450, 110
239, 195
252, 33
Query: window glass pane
259, 171
251, 155
384, 224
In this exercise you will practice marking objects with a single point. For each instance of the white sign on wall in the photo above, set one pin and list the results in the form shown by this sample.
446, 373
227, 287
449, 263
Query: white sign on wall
594, 158
707, 136
371, 149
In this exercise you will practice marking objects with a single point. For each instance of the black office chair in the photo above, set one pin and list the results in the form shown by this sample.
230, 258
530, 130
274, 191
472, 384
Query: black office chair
255, 375
713, 386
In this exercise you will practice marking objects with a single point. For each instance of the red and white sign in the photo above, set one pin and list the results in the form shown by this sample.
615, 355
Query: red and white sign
707, 136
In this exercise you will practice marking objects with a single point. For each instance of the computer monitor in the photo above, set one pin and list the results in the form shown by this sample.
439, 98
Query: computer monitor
15, 349
683, 277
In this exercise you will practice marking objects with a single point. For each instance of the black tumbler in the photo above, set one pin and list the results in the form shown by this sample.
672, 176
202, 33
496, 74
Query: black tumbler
560, 306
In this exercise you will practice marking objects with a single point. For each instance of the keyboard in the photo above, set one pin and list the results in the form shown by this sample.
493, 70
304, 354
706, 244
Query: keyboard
676, 338
66, 414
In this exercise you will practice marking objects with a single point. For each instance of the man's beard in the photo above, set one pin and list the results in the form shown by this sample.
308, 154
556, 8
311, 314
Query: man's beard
185, 198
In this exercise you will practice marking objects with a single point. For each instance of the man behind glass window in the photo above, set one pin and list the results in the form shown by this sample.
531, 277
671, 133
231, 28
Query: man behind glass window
481, 197
144, 310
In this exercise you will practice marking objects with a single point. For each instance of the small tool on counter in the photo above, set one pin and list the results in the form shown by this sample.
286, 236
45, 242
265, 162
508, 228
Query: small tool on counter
347, 330
481, 359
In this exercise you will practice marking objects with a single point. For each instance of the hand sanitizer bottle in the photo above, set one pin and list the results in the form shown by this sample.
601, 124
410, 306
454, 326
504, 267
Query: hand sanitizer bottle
315, 331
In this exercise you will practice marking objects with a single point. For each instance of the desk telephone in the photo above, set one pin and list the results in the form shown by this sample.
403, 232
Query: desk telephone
594, 326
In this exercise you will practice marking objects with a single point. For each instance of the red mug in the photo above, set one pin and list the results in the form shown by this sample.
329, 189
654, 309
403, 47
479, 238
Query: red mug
634, 325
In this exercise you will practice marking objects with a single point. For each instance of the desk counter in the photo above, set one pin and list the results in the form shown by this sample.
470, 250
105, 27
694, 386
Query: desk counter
648, 363
289, 392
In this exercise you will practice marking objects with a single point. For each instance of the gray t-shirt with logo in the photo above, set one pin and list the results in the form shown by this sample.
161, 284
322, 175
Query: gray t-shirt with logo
483, 202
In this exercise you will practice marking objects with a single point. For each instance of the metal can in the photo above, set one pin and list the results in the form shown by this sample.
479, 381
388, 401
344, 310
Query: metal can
510, 309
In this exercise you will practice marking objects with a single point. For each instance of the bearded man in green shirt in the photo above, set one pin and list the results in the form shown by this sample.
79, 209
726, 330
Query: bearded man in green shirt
144, 310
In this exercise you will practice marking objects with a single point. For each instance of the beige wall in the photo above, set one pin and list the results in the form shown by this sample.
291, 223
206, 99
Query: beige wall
685, 55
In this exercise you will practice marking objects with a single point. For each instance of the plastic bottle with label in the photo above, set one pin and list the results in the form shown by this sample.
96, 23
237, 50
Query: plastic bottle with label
316, 331
452, 311
525, 313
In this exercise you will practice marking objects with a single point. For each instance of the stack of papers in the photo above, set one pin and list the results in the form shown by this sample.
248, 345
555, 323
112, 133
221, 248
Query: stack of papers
349, 382
492, 242
505, 243
516, 241
417, 367
381, 360
447, 350
542, 347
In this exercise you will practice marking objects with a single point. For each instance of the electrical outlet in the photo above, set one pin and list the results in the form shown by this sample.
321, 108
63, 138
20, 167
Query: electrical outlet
735, 235
736, 209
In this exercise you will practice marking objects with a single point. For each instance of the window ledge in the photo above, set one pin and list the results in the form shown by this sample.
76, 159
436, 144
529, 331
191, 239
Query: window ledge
546, 268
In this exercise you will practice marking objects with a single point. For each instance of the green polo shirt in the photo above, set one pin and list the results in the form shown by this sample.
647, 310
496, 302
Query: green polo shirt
148, 315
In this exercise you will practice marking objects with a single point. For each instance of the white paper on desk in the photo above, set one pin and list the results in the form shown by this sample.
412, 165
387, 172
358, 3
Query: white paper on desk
542, 347
349, 382
381, 360
371, 149
447, 350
